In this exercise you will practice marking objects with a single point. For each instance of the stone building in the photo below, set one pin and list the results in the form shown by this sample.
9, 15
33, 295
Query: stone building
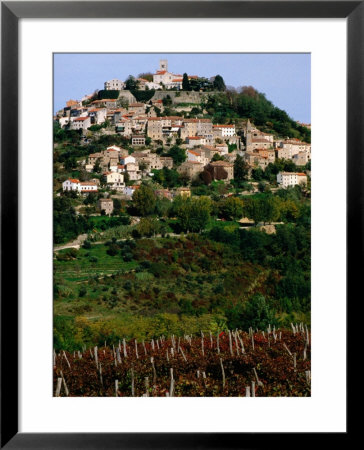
107, 205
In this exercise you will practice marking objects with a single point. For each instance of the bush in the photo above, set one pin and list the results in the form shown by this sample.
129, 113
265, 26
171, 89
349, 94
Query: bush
108, 94
127, 257
82, 292
67, 255
112, 250
86, 244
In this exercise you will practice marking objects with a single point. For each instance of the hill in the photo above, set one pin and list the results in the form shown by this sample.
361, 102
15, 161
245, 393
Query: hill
248, 103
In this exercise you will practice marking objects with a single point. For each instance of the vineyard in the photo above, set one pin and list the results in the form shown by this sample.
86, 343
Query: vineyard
266, 363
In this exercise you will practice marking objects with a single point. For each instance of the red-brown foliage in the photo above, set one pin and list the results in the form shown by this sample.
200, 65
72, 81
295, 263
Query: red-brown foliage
273, 364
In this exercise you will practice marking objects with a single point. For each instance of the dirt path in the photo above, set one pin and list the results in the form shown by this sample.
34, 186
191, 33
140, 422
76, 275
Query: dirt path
82, 237
74, 244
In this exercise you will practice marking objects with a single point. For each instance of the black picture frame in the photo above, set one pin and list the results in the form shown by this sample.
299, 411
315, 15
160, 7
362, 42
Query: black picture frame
11, 12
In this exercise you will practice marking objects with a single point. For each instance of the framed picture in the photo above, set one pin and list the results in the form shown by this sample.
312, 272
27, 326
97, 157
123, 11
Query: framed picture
37, 52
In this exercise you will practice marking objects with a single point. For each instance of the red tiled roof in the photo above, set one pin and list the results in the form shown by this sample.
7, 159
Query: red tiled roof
300, 174
79, 119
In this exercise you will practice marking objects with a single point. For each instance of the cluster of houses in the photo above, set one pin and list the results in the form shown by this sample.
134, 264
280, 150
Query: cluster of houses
115, 163
263, 148
147, 129
138, 121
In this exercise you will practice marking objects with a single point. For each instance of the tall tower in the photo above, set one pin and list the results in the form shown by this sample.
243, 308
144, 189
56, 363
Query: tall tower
163, 64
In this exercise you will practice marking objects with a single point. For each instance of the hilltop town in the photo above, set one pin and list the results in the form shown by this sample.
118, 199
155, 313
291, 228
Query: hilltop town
188, 143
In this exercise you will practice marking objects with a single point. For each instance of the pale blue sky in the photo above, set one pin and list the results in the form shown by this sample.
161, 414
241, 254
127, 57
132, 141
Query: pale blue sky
284, 78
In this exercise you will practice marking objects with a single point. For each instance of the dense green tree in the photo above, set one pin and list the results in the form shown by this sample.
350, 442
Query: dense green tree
193, 213
163, 207
241, 169
66, 224
90, 199
144, 200
231, 208
257, 174
117, 205
219, 84
178, 155
70, 163
262, 208
185, 83
270, 207
148, 226
131, 83
168, 178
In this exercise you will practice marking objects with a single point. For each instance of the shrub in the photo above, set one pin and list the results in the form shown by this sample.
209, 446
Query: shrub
82, 292
86, 244
112, 250
67, 255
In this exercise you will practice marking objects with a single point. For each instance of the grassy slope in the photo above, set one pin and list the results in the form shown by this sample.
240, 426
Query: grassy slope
175, 276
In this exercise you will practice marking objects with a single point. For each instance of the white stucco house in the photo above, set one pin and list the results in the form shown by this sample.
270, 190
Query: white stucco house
226, 130
83, 187
114, 180
80, 123
286, 179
